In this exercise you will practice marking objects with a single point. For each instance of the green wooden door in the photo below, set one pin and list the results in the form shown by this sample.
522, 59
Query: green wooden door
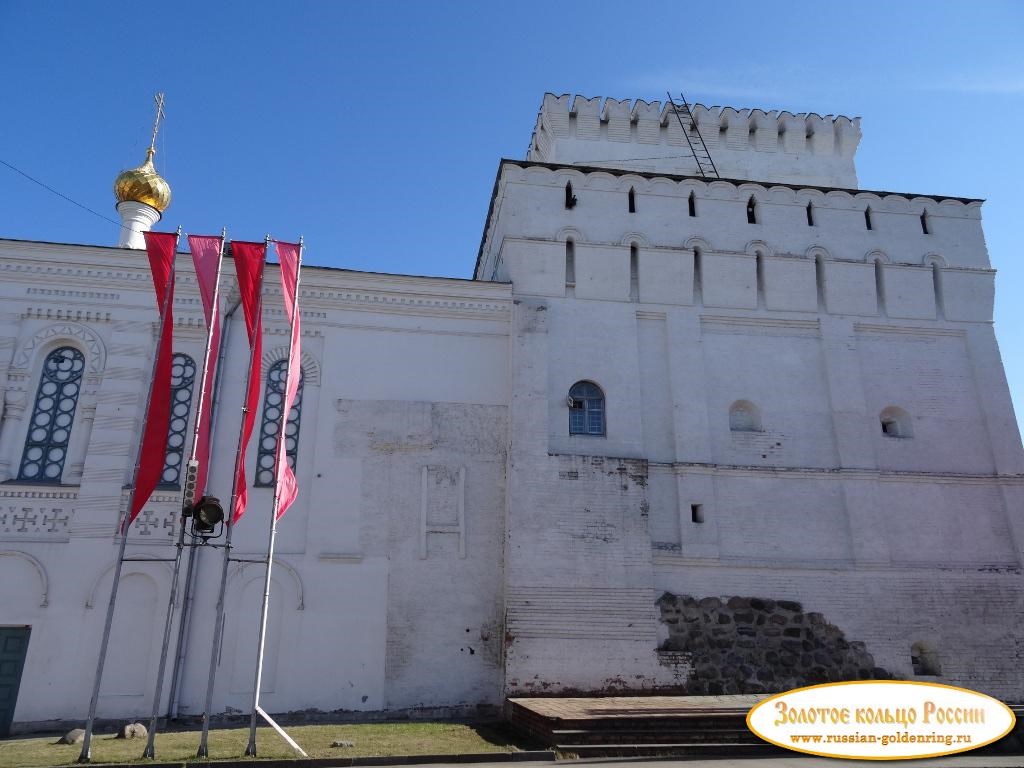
13, 647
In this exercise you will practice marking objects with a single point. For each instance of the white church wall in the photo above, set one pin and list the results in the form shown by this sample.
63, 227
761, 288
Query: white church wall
665, 276
789, 284
341, 592
850, 288
927, 374
597, 345
779, 371
967, 295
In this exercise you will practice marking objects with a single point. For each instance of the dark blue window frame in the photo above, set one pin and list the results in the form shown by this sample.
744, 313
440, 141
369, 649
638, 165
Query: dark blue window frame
273, 398
53, 415
586, 409
183, 379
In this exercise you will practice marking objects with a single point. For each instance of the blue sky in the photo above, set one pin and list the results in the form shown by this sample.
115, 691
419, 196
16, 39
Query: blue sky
374, 129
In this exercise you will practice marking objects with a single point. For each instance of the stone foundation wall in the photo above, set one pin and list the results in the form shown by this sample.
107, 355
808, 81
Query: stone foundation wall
758, 645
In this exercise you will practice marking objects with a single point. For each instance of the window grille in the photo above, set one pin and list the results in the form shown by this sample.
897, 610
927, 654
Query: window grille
183, 377
49, 431
586, 409
273, 399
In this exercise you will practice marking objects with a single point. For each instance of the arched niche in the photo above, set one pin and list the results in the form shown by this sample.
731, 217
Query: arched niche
38, 568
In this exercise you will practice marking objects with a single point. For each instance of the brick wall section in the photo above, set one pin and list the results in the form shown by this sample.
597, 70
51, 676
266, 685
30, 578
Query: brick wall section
758, 645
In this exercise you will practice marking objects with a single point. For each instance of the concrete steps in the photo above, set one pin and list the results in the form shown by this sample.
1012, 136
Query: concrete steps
621, 728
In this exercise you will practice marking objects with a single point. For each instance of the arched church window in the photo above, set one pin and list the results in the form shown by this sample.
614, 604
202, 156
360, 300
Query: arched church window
744, 416
632, 200
751, 210
49, 430
586, 409
273, 400
183, 377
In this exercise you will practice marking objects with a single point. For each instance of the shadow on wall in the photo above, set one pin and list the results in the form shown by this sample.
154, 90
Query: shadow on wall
757, 645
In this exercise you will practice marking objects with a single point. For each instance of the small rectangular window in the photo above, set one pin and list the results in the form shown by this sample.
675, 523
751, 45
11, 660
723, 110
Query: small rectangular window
697, 513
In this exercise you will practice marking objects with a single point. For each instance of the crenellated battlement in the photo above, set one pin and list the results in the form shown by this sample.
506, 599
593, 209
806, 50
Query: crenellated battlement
801, 148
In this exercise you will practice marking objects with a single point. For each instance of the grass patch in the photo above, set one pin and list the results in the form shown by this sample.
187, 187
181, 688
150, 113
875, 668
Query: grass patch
371, 739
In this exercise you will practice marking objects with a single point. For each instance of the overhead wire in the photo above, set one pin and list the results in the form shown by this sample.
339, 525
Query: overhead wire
61, 194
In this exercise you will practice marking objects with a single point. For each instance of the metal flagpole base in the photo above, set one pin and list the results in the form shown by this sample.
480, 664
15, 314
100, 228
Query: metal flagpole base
250, 751
204, 750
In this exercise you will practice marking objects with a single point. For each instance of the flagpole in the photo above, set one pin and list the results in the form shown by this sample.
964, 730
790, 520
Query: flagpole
218, 627
281, 457
85, 755
184, 623
187, 489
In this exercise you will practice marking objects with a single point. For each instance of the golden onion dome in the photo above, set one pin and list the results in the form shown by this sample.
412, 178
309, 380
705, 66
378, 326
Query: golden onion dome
143, 185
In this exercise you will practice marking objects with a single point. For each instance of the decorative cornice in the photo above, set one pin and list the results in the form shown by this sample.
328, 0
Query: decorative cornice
64, 294
26, 491
77, 315
843, 473
643, 314
763, 184
407, 303
672, 556
907, 330
759, 325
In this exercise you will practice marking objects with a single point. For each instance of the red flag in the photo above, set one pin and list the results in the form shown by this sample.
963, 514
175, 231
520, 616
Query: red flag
206, 251
160, 247
249, 259
290, 256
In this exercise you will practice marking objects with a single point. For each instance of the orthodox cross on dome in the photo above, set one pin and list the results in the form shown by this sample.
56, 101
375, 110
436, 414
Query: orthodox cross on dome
159, 99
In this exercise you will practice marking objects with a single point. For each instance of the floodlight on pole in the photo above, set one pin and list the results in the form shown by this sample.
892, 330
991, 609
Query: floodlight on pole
207, 513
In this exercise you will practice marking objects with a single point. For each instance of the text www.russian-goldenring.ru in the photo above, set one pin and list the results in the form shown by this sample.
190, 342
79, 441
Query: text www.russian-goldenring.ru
884, 740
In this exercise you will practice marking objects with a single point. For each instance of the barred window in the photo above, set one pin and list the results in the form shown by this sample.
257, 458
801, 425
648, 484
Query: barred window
586, 409
49, 431
273, 399
183, 377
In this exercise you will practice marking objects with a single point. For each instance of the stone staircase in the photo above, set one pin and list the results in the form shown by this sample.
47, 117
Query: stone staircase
637, 726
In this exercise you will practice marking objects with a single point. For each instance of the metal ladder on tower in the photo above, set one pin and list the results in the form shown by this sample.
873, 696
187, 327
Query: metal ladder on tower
705, 165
